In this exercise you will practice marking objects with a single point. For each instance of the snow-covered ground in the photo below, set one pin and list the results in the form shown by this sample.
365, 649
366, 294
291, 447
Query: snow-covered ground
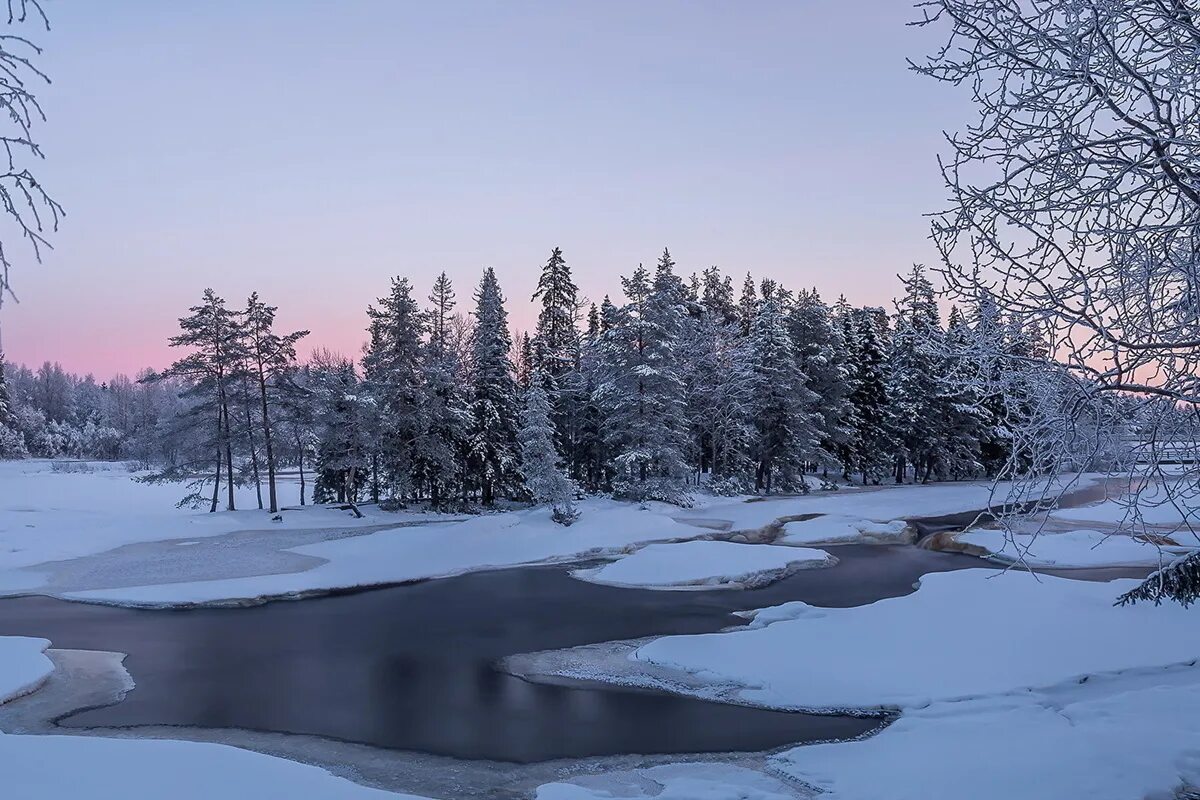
49, 515
842, 529
60, 767
672, 782
1102, 740
23, 665
52, 516
1010, 685
705, 565
1070, 549
961, 634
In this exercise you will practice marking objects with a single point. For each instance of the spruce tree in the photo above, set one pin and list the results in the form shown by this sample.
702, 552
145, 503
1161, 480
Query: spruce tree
392, 364
540, 469
747, 305
445, 417
641, 392
493, 451
914, 374
872, 442
785, 436
821, 354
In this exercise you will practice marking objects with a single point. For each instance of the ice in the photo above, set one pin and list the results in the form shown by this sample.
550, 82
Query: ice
62, 767
705, 565
23, 666
1070, 549
962, 634
842, 529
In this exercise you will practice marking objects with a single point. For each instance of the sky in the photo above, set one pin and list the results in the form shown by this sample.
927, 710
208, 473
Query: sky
312, 149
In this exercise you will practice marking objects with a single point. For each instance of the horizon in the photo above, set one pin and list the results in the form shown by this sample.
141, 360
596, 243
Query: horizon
337, 151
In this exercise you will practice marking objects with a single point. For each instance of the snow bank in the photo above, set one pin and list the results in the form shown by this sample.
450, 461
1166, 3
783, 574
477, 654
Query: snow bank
1069, 549
23, 666
705, 565
672, 782
962, 634
58, 767
842, 529
1144, 741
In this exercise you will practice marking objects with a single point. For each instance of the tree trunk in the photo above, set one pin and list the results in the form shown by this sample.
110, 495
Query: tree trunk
300, 451
250, 442
217, 477
266, 421
228, 447
351, 493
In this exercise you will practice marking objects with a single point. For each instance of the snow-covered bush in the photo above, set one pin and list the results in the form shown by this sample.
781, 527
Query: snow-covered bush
12, 444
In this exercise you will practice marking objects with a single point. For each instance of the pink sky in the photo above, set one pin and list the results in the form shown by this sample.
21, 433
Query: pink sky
310, 154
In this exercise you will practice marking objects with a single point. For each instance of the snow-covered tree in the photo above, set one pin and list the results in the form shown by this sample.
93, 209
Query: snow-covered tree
269, 357
347, 422
641, 389
445, 416
783, 408
212, 333
914, 374
821, 354
540, 468
393, 377
492, 443
872, 442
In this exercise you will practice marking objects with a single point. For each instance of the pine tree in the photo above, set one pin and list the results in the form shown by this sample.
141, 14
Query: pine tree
872, 442
747, 305
785, 437
6, 409
720, 393
641, 392
445, 416
821, 354
493, 454
716, 294
914, 370
540, 465
556, 351
269, 356
393, 375
347, 418
212, 332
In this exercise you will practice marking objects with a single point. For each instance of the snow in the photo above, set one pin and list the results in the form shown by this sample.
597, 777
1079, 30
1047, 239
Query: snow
23, 666
672, 782
46, 515
842, 529
1127, 741
50, 516
1069, 549
59, 767
705, 565
529, 536
487, 541
1153, 505
962, 634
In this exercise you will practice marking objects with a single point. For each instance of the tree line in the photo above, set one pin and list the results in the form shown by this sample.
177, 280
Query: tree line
678, 385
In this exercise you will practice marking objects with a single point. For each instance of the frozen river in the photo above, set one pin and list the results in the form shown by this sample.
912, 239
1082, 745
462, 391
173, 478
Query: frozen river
415, 667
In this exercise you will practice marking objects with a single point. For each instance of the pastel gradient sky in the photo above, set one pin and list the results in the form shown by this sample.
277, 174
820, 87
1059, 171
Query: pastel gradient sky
311, 149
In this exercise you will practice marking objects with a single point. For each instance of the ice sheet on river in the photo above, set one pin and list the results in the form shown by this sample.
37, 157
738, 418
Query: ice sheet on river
23, 666
705, 565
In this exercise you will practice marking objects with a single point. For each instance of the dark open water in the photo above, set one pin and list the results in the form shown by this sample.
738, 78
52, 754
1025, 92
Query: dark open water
412, 667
